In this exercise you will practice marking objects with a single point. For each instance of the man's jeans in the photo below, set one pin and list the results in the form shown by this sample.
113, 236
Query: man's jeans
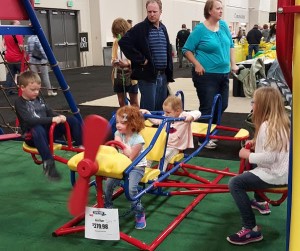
153, 94
40, 136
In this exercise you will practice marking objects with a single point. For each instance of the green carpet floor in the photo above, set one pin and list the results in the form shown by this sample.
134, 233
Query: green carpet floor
32, 208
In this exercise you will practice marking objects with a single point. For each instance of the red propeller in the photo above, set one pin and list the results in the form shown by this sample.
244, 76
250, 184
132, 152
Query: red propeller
95, 132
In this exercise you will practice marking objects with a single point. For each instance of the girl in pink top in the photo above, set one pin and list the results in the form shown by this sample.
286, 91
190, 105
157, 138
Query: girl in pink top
180, 135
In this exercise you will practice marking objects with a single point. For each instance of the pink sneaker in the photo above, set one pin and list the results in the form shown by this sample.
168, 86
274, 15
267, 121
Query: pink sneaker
140, 221
245, 236
262, 207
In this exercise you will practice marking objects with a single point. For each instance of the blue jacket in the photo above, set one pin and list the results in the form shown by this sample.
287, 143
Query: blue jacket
135, 45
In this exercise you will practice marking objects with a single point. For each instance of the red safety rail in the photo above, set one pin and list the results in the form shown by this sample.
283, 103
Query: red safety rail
13, 10
285, 37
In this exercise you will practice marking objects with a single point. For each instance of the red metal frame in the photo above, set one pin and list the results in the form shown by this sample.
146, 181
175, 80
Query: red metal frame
9, 136
68, 147
200, 190
245, 166
285, 37
197, 186
73, 227
13, 10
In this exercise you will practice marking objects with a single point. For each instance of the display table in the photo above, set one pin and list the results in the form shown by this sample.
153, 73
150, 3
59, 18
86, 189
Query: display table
237, 89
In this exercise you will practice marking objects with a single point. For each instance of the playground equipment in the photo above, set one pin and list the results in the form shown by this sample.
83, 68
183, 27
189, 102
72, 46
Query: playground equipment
23, 9
105, 161
209, 130
9, 136
55, 148
287, 47
153, 183
245, 166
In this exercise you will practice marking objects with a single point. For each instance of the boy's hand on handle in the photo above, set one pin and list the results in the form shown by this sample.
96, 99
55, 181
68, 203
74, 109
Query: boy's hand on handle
59, 119
63, 118
56, 119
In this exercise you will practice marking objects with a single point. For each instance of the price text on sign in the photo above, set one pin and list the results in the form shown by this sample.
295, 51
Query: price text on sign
102, 224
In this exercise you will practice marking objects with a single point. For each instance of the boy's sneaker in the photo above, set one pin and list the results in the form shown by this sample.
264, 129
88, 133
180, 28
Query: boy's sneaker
52, 93
209, 145
50, 170
140, 221
245, 236
262, 207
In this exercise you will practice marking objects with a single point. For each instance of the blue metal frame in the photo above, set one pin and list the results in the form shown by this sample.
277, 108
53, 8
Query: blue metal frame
165, 125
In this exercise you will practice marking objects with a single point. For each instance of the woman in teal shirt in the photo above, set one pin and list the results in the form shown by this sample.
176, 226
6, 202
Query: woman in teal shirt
211, 50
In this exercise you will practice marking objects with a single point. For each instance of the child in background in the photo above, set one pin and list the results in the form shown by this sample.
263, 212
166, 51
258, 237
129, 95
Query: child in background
180, 135
129, 122
35, 119
122, 83
271, 155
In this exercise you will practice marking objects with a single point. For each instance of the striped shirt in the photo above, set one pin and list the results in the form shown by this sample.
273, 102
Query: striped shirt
158, 47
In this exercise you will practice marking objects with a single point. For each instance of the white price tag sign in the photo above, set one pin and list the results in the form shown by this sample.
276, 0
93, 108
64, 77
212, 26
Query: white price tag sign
102, 224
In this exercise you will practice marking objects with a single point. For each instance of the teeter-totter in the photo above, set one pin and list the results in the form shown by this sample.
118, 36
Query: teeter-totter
103, 160
9, 136
209, 130
282, 192
55, 148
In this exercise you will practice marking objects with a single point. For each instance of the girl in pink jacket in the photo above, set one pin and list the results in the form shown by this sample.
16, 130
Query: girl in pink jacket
180, 135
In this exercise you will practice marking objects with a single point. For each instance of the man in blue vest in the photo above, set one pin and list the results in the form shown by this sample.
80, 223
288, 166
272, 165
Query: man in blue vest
148, 47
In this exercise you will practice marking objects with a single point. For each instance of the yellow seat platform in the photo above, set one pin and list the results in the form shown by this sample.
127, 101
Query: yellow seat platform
111, 163
200, 130
242, 133
33, 150
158, 149
150, 174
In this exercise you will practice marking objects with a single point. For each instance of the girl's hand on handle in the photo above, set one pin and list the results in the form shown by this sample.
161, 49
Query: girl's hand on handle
244, 153
189, 118
127, 150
